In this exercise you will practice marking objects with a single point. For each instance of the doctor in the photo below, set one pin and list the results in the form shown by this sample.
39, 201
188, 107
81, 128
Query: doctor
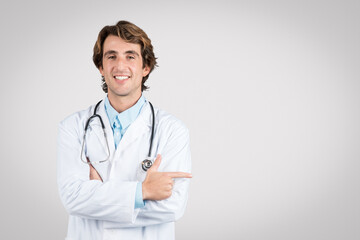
116, 198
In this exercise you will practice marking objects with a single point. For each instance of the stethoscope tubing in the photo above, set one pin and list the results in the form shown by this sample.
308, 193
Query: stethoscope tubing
146, 164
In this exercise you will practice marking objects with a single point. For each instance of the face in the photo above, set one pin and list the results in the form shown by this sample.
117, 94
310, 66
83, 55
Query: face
123, 69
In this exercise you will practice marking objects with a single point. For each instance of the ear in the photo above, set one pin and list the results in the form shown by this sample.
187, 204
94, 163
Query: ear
101, 70
146, 70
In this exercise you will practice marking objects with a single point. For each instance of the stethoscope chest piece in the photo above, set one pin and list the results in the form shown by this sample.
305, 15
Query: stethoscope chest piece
146, 164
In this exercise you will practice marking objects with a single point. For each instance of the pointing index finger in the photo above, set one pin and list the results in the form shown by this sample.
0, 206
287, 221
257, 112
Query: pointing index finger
179, 175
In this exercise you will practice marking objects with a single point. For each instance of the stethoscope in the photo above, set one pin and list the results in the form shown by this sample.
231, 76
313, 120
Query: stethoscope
145, 165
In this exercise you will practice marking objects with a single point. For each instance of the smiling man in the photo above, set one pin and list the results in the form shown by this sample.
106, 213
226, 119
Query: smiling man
123, 70
123, 166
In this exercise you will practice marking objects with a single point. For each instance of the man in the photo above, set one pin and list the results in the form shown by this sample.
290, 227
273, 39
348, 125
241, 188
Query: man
102, 178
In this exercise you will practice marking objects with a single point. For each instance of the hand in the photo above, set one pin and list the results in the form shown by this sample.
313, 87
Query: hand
158, 185
94, 175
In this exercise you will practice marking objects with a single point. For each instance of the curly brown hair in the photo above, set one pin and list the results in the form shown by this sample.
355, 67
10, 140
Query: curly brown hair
130, 33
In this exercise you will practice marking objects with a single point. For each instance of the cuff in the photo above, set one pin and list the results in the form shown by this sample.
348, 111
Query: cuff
139, 202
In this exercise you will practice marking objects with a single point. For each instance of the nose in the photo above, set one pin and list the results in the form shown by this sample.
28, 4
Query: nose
121, 63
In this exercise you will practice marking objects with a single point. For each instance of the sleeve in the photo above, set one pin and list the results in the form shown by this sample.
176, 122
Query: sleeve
112, 200
175, 157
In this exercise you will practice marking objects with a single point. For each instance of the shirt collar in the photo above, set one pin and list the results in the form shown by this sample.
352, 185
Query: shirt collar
126, 117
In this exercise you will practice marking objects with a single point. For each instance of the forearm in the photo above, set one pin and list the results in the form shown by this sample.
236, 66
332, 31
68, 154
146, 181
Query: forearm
112, 200
169, 209
158, 212
176, 157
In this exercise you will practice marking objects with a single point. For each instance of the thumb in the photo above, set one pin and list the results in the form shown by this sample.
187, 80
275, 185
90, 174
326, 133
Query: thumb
156, 164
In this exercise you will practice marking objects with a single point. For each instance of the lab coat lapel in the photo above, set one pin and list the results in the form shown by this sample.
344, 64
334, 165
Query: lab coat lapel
138, 128
103, 168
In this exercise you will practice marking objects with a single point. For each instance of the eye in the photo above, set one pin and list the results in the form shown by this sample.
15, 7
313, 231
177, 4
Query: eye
111, 57
130, 57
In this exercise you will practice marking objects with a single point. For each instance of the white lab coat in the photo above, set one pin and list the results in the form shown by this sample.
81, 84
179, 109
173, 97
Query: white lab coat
105, 210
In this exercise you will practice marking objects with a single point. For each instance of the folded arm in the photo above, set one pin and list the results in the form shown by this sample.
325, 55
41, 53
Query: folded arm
167, 201
112, 201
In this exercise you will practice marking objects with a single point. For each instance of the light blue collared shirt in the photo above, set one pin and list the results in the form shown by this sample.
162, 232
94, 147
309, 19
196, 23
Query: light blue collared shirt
120, 122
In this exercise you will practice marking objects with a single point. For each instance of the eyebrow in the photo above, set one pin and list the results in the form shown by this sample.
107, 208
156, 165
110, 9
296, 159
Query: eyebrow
132, 52
110, 52
115, 52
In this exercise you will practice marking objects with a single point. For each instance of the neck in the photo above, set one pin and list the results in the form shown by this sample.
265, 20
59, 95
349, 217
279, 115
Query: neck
120, 103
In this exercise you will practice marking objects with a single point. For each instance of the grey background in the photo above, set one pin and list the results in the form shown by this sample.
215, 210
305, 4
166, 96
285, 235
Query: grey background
268, 89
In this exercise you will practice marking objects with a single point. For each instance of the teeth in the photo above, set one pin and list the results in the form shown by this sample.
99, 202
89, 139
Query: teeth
121, 77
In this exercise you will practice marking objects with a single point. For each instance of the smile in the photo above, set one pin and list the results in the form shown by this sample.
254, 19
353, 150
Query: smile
121, 77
